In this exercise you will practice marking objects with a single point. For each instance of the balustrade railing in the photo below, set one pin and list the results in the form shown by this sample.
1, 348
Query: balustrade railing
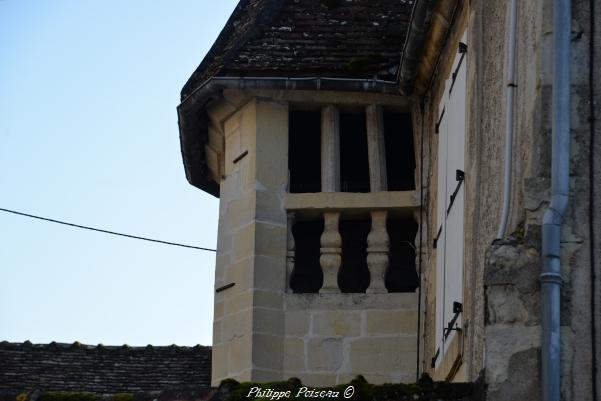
378, 250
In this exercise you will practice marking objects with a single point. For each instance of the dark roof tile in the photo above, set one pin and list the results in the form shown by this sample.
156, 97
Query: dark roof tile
337, 38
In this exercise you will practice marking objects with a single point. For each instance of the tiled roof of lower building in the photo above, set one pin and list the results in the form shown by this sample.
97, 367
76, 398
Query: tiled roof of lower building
102, 369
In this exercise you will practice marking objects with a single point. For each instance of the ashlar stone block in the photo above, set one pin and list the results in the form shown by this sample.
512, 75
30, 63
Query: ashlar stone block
294, 355
270, 239
336, 323
268, 321
270, 273
267, 299
268, 352
269, 206
239, 212
324, 354
218, 310
391, 322
240, 353
237, 302
240, 273
237, 325
243, 241
217, 332
297, 323
219, 367
382, 354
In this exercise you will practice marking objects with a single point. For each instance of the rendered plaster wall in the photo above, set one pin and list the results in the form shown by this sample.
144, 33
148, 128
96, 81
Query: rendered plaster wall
501, 290
248, 317
332, 338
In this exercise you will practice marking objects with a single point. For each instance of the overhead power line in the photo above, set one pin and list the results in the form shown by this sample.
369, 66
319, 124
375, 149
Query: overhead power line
105, 231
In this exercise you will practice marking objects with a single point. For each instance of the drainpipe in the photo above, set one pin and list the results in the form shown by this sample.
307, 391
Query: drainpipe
509, 108
560, 179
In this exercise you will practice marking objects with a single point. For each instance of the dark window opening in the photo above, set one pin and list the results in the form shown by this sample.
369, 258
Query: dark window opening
354, 164
307, 276
304, 151
354, 274
400, 154
401, 275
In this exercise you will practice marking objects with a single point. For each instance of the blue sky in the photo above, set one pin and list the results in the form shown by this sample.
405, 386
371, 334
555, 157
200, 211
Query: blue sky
88, 134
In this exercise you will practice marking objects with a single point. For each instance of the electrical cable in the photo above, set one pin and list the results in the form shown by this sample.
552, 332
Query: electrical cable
106, 231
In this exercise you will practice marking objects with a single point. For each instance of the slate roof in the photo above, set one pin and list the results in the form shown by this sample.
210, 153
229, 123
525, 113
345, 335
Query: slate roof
101, 369
326, 38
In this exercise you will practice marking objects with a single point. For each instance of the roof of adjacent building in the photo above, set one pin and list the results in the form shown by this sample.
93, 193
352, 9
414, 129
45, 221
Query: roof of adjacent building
324, 38
101, 369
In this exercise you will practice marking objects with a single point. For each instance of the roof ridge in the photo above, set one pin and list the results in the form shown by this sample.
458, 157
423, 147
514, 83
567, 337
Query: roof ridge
77, 344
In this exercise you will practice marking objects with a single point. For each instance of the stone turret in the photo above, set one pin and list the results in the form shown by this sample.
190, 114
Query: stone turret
290, 301
315, 273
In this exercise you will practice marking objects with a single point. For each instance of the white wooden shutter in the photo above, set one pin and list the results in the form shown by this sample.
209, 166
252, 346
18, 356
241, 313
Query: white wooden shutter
440, 240
450, 204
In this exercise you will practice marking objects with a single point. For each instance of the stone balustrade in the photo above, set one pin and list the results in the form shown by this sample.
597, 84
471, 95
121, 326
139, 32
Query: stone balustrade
330, 208
332, 334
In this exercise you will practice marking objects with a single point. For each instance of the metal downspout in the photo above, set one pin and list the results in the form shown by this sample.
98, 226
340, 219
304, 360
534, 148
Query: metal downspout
560, 179
509, 109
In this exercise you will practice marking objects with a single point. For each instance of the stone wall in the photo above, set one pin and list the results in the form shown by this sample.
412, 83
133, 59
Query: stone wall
513, 330
251, 249
101, 369
501, 330
331, 338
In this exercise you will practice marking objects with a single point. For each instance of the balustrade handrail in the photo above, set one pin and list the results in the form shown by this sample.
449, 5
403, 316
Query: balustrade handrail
403, 201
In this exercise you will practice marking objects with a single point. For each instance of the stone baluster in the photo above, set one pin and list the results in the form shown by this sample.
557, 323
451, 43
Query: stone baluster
377, 252
290, 251
331, 252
